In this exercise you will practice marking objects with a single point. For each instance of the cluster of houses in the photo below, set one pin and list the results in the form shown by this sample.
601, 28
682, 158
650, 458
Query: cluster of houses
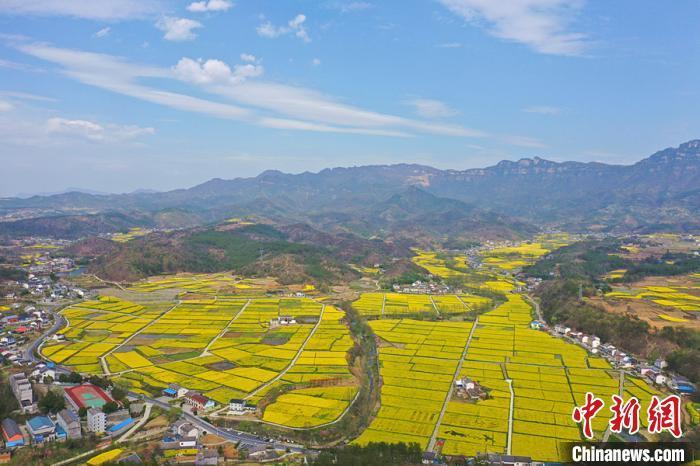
421, 287
41, 286
183, 443
655, 374
193, 398
67, 423
469, 389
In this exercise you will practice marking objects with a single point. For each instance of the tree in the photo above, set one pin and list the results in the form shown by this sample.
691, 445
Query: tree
82, 412
118, 393
52, 403
72, 377
110, 407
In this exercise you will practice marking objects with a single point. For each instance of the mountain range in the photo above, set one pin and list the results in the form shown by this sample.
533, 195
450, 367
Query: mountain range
509, 199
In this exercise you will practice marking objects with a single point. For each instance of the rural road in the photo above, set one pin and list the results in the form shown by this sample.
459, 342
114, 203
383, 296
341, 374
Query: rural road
245, 439
536, 305
137, 426
30, 351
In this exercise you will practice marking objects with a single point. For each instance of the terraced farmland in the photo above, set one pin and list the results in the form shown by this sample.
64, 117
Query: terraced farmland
661, 300
211, 283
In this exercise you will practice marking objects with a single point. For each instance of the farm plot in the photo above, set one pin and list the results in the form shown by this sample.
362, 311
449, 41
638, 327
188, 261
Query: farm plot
394, 305
661, 300
319, 386
509, 258
212, 283
95, 328
418, 360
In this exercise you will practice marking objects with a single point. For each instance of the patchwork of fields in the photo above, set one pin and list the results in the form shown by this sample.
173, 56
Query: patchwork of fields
548, 376
211, 283
398, 304
223, 347
418, 362
672, 299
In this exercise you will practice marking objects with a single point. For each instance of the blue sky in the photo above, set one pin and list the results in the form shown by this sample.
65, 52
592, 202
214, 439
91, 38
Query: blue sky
120, 95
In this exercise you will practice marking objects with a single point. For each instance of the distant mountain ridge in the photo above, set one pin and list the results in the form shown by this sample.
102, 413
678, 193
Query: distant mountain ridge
659, 192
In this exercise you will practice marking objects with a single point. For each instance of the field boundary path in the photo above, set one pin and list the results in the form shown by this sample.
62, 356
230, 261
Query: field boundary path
205, 352
433, 438
621, 391
432, 301
383, 303
103, 362
466, 306
510, 415
293, 361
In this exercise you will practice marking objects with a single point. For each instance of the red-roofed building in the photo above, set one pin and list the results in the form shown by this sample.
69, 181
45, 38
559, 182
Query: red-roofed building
86, 396
198, 401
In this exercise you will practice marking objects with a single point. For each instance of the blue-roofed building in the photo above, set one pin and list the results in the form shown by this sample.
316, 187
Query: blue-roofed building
117, 428
171, 392
42, 429
60, 433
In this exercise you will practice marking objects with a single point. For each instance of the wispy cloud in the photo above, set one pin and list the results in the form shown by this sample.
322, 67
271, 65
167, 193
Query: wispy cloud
242, 95
540, 24
178, 29
5, 106
351, 7
27, 96
294, 26
95, 132
542, 110
12, 65
112, 10
431, 108
449, 45
210, 5
104, 32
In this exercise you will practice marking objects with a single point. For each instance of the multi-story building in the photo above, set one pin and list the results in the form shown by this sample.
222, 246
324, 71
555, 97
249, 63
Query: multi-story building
70, 422
96, 421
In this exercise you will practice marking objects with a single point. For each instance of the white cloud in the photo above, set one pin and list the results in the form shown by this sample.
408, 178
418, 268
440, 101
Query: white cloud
178, 29
5, 106
524, 141
238, 97
103, 32
542, 110
249, 58
94, 131
294, 26
316, 61
215, 71
539, 24
211, 5
111, 10
430, 108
